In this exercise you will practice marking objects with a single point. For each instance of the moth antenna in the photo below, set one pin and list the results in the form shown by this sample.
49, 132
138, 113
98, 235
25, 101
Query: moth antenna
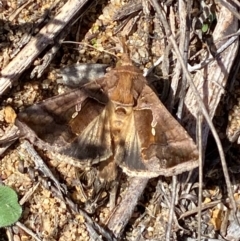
90, 46
125, 59
123, 40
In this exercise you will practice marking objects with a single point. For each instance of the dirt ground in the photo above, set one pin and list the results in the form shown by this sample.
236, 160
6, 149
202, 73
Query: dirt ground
94, 37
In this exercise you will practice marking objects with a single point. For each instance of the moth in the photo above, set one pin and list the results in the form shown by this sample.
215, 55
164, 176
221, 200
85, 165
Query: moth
114, 121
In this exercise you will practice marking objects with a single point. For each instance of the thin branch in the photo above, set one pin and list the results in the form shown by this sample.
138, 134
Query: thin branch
171, 208
200, 188
124, 210
184, 13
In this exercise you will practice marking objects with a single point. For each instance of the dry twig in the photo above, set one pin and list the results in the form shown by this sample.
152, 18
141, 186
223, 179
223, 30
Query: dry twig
124, 210
38, 43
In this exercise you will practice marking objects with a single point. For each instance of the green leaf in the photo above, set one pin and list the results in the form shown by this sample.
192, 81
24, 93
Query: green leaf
205, 28
10, 210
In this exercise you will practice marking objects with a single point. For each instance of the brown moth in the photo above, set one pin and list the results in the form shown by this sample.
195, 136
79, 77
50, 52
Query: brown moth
115, 121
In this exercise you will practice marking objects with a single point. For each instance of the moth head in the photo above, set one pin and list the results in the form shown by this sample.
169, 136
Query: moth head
124, 60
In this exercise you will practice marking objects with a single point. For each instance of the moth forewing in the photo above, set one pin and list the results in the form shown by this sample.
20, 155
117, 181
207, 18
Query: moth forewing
171, 150
50, 117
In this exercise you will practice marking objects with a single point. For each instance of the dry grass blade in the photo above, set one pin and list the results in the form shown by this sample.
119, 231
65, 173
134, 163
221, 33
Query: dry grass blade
171, 208
200, 147
28, 194
184, 13
204, 207
27, 230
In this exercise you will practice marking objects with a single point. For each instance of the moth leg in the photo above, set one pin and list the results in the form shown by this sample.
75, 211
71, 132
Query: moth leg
88, 179
113, 193
110, 173
108, 169
98, 197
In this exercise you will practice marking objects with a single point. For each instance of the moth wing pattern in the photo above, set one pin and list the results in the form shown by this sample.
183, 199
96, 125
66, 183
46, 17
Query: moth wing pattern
93, 143
128, 153
170, 150
116, 118
160, 143
68, 124
48, 118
